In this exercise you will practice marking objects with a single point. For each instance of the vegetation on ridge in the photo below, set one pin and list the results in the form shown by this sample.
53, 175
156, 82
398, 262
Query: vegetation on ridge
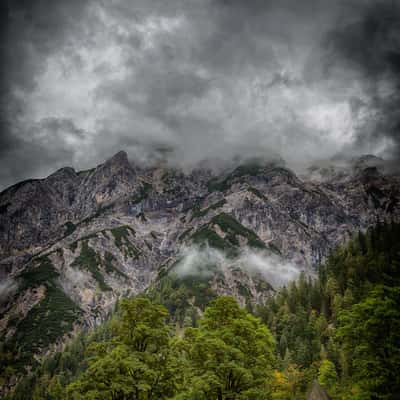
342, 328
48, 320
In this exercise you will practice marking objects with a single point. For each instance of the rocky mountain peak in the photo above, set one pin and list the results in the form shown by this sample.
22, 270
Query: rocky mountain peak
119, 159
63, 172
115, 169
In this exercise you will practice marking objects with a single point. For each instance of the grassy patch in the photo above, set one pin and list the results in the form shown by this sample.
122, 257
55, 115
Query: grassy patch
232, 227
121, 236
85, 172
109, 265
91, 261
48, 320
200, 213
41, 273
207, 235
70, 228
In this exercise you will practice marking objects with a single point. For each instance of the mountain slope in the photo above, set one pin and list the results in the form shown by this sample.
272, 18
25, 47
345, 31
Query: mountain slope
73, 243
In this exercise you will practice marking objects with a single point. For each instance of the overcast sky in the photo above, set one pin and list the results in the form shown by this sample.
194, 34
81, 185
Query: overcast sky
82, 79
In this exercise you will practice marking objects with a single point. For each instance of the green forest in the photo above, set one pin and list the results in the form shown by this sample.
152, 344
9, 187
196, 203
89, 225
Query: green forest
341, 328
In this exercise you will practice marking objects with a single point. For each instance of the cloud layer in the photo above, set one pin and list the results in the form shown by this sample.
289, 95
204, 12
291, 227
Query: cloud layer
197, 261
82, 79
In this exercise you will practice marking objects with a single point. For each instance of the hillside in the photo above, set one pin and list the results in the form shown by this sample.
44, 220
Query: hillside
74, 243
335, 336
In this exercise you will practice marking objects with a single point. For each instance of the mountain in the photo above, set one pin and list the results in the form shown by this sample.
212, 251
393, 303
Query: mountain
75, 242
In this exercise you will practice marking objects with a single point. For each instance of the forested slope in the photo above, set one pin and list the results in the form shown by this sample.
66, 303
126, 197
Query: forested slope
342, 328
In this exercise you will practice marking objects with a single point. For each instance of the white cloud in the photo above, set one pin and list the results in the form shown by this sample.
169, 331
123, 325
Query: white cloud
7, 288
201, 262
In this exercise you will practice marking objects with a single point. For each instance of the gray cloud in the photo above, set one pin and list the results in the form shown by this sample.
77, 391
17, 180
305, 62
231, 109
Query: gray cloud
370, 46
212, 78
204, 262
7, 288
31, 33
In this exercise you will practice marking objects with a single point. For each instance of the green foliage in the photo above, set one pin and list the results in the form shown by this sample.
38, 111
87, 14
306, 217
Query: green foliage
341, 328
138, 363
91, 261
109, 265
198, 213
42, 272
69, 228
207, 235
370, 334
327, 375
232, 228
230, 356
50, 379
48, 320
86, 172
121, 235
346, 322
184, 295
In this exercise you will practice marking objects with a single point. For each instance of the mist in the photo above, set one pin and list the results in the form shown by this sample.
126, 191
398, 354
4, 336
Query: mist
202, 261
7, 288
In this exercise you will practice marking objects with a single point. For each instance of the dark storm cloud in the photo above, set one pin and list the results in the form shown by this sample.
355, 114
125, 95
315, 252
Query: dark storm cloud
31, 31
370, 45
204, 79
219, 44
48, 144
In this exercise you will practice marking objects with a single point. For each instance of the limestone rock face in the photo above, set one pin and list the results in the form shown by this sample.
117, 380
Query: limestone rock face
75, 242
35, 212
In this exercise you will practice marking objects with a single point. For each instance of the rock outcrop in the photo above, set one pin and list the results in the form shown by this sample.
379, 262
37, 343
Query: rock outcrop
317, 392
